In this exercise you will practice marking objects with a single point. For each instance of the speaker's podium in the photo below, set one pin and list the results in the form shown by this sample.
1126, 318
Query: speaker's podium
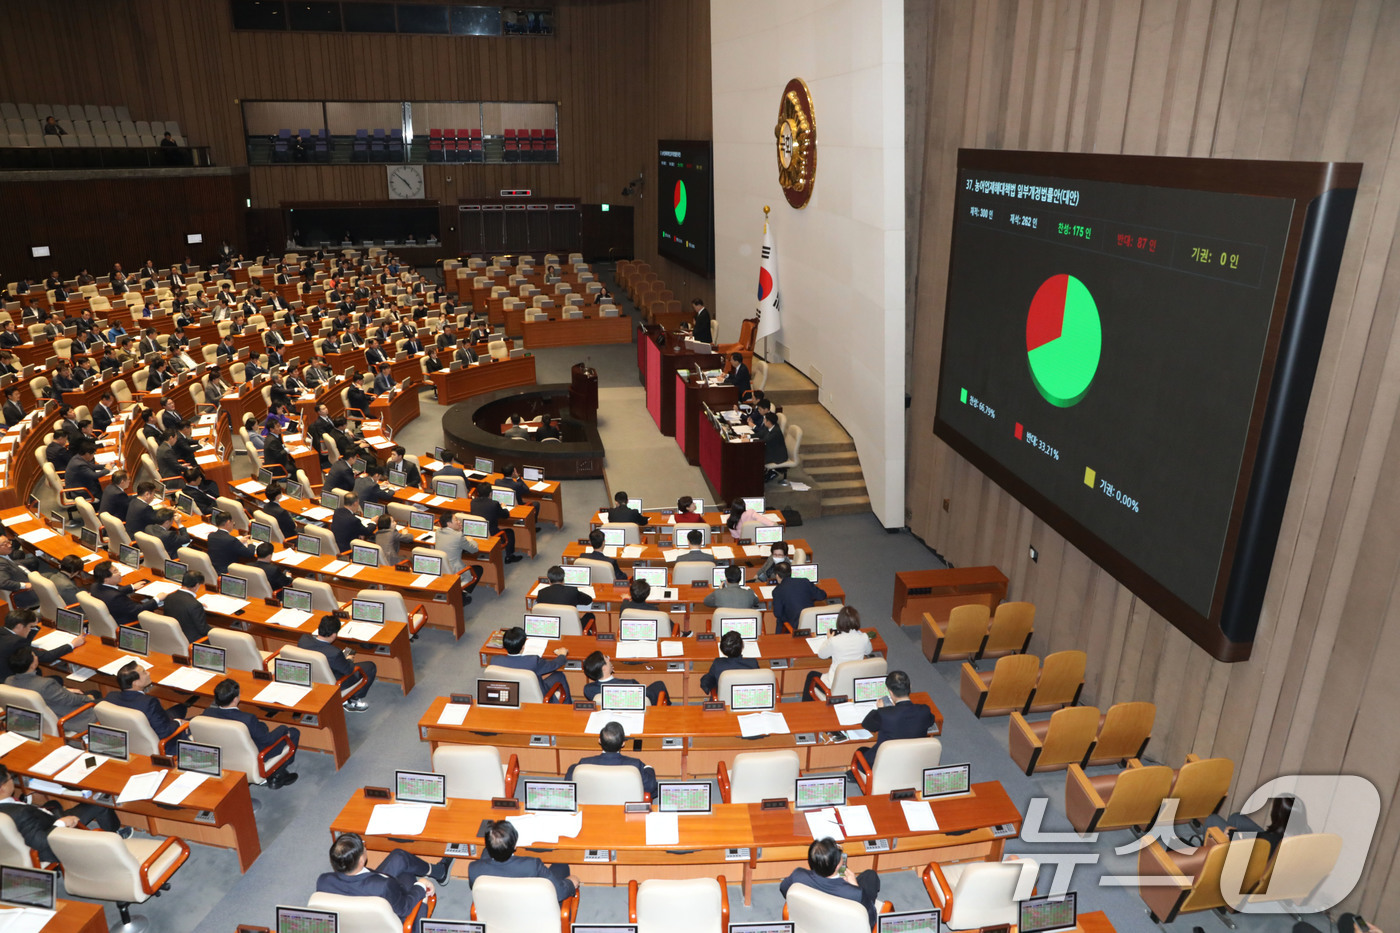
583, 393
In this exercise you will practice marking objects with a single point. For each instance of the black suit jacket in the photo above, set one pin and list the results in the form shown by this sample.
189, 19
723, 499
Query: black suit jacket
489, 509
904, 720
168, 461
340, 476
347, 527
739, 378
621, 513
101, 417
275, 451
558, 594
119, 603
341, 666
139, 514
114, 502
84, 475
519, 866
225, 549
284, 519
184, 608
373, 884
410, 470
703, 332
13, 414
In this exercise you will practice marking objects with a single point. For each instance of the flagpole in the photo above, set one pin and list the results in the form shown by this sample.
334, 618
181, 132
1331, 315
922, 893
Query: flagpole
766, 209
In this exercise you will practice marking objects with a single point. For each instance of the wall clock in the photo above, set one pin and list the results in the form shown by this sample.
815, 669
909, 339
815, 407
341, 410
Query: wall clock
405, 182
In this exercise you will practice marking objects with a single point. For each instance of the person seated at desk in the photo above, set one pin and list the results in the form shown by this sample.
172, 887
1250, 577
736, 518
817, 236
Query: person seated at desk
65, 578
686, 514
342, 663
895, 717
731, 649
203, 490
734, 594
826, 871
517, 429
548, 672
694, 538
35, 823
738, 374
184, 607
453, 543
107, 587
611, 738
347, 525
452, 466
638, 592
139, 511
791, 595
431, 363
167, 459
164, 530
9, 339
170, 419
401, 879
340, 476
115, 501
846, 642
595, 541
106, 412
598, 668
226, 697
64, 380
23, 668
557, 593
148, 343
385, 382
357, 398
13, 410
549, 429
483, 506
132, 683
275, 452
622, 512
397, 461
57, 452
277, 577
465, 355
224, 546
391, 539
740, 515
499, 860
774, 446
274, 492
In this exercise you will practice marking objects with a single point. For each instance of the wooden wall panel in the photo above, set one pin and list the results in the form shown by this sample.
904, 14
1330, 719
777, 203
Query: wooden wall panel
1307, 79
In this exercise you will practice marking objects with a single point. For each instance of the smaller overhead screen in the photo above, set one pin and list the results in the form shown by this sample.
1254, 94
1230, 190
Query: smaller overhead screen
685, 203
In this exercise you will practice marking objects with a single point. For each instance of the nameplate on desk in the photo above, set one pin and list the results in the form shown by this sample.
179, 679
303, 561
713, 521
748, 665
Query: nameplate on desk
705, 636
541, 741
378, 793
504, 803
802, 633
463, 699
778, 664
774, 803
607, 636
244, 928
162, 761
109, 642
833, 698
585, 706
180, 659
805, 738
261, 675
903, 793
636, 806
582, 540
713, 706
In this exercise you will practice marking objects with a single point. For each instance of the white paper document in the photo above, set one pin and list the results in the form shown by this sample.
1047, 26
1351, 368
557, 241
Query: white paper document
52, 640
672, 649
635, 649
79, 674
722, 552
632, 722
78, 771
57, 759
670, 554
535, 645
289, 557
856, 820
359, 631
663, 829
282, 694
9, 741
769, 722
439, 500
141, 786
291, 618
398, 819
222, 605
549, 828
765, 592
751, 649
250, 486
919, 815
631, 551
25, 919
158, 589
181, 787
37, 535
335, 566
202, 531
112, 667
822, 823
317, 513
423, 580
453, 714
19, 519
815, 642
852, 714
757, 550
539, 486
187, 678
347, 570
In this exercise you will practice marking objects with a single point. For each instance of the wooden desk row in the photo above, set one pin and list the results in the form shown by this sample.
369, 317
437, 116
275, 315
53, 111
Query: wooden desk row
482, 378
549, 497
686, 609
652, 555
661, 525
678, 741
575, 332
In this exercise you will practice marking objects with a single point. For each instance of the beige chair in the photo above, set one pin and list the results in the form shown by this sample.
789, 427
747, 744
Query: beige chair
396, 608
599, 571
1005, 690
1056, 743
978, 895
1104, 802
116, 530
898, 763
729, 679
1299, 865
521, 905
844, 676
49, 723
371, 914
807, 618
199, 560
793, 433
960, 637
241, 652
1124, 732
693, 905
607, 785
475, 772
680, 534
87, 513
813, 911
321, 670
49, 600
166, 636
13, 849
530, 691
106, 867
1060, 683
1193, 879
99, 619
689, 572
631, 534
238, 753
570, 622
152, 550
1010, 630
759, 776
276, 530
141, 738
322, 595
256, 577
234, 508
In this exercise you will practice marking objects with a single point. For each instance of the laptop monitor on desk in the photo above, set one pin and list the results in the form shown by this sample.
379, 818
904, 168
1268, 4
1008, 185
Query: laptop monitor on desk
824, 623
577, 576
750, 698
552, 796
433, 925
133, 640
541, 626
614, 537
366, 555
947, 781
637, 629
420, 521
287, 671
868, 689
476, 528
746, 626
260, 532
504, 497
307, 920
683, 797
429, 564
28, 887
299, 600
817, 792
24, 721
329, 500
69, 621
129, 554
805, 571
420, 787
1049, 914
108, 742
656, 576
532, 474
208, 658
620, 697
755, 504
367, 610
502, 693
372, 509
233, 587
910, 921
202, 759
484, 465
308, 544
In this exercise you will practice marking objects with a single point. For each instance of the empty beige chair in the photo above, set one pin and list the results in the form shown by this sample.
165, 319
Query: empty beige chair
692, 905
152, 549
1010, 630
238, 751
1299, 865
1124, 732
256, 579
1060, 683
529, 683
49, 600
198, 560
1006, 689
730, 679
1053, 744
87, 513
99, 619
607, 785
631, 534
688, 572
166, 636
329, 546
106, 867
370, 914
13, 849
1194, 878
457, 484
898, 763
1116, 801
322, 595
321, 670
813, 911
521, 905
499, 350
141, 738
960, 637
1200, 787
759, 776
475, 772
664, 625
241, 652
977, 895
71, 726
569, 621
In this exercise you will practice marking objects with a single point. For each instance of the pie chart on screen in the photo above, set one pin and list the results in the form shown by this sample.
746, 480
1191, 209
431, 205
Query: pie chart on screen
1064, 340
678, 202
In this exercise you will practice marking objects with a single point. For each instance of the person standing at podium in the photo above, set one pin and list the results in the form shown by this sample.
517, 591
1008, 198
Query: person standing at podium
703, 329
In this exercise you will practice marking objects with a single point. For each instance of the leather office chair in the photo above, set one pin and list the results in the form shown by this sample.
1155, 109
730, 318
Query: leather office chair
608, 785
807, 618
1060, 683
664, 625
1004, 690
49, 600
530, 691
106, 867
1053, 744
730, 679
457, 484
13, 849
977, 895
599, 571
1010, 630
813, 911
689, 572
843, 677
87, 513
961, 637
49, 722
260, 516
695, 905
1299, 865
322, 595
475, 772
370, 914
396, 608
141, 738
329, 546
898, 763
631, 534
1124, 732
721, 615
1104, 802
152, 549
241, 652
680, 535
238, 753
99, 619
235, 508
198, 560
1194, 878
166, 636
759, 776
569, 621
521, 905
321, 670
793, 434
256, 577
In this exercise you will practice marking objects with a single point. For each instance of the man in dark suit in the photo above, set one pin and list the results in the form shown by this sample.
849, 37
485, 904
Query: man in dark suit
402, 879
167, 460
115, 500
186, 447
139, 511
226, 696
385, 381
595, 541
57, 452
621, 512
104, 413
183, 606
277, 578
738, 374
731, 649
107, 587
35, 823
791, 595
485, 507
548, 672
549, 428
695, 538
13, 410
413, 346
703, 331
225, 548
83, 472
340, 475
823, 873
410, 470
598, 668
610, 739
774, 445
556, 593
132, 681
323, 642
285, 522
170, 419
21, 625
347, 525
373, 355
500, 861
164, 530
275, 451
896, 716
367, 488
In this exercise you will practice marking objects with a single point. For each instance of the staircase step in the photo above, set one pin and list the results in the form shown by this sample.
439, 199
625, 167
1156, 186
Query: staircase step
845, 505
827, 447
840, 487
836, 474
838, 458
787, 397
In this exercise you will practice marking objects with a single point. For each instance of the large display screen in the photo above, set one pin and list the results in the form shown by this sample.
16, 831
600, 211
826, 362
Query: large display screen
685, 203
1109, 348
